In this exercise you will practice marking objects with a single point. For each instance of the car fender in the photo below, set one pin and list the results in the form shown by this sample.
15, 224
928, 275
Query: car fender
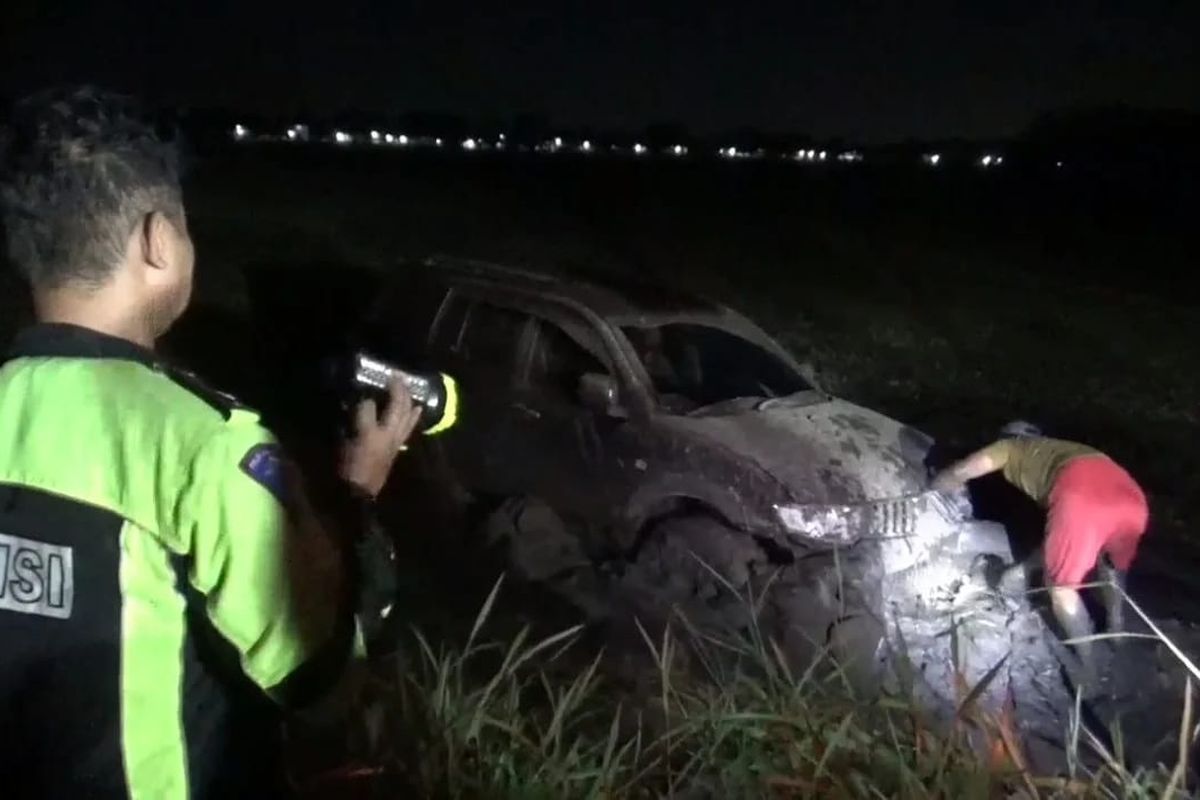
666, 493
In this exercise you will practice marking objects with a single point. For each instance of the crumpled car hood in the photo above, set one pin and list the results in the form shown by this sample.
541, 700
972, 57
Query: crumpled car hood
828, 452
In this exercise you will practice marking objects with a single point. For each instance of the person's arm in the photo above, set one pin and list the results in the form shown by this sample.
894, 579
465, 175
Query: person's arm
990, 459
276, 584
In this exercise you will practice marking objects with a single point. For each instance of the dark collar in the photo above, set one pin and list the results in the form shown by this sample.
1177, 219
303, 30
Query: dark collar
60, 340
56, 339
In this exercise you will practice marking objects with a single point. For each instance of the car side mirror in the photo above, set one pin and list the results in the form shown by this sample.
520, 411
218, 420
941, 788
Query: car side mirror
599, 393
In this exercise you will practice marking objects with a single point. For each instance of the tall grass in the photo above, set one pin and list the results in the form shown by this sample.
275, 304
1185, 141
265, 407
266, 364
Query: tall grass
721, 716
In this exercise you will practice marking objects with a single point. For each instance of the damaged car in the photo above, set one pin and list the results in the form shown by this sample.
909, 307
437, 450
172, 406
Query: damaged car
642, 452
667, 447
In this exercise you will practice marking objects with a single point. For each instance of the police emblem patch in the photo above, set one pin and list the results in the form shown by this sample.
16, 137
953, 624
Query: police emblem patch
264, 463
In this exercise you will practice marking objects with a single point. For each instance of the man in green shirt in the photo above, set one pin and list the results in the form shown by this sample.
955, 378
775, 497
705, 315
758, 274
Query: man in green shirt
165, 586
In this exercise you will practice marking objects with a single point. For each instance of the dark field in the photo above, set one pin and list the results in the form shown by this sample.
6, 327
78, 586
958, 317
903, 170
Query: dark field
953, 300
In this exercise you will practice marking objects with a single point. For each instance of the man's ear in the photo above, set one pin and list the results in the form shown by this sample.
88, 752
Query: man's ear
156, 236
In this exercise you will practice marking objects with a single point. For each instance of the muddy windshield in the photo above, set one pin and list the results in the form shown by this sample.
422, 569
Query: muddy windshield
693, 366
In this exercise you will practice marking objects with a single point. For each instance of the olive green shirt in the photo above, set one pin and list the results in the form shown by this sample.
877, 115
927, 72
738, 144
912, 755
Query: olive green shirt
1033, 464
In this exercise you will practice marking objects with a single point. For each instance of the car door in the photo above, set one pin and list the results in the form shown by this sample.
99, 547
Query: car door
478, 341
582, 461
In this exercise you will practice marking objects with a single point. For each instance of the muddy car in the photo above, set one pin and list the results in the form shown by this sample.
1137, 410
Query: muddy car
675, 444
640, 451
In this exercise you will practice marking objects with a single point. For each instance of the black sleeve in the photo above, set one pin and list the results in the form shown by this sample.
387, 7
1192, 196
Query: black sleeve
370, 561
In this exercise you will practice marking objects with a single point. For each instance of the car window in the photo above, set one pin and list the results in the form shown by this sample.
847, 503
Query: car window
490, 335
558, 362
703, 365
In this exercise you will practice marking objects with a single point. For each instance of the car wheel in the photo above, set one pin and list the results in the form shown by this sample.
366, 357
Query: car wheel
694, 567
822, 608
723, 582
542, 549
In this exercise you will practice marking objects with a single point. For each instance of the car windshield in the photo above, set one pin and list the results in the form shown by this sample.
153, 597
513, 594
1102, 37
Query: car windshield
693, 366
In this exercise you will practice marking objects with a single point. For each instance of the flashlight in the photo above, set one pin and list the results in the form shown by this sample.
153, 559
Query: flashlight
435, 392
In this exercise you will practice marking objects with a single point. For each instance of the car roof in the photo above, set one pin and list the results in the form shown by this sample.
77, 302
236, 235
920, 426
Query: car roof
620, 300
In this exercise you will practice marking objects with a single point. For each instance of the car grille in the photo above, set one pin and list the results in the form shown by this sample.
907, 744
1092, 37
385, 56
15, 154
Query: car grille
906, 516
897, 517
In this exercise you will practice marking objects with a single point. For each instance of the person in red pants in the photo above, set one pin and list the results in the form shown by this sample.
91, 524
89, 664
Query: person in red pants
1095, 513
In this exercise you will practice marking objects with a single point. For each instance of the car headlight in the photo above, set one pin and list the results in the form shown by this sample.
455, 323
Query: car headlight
834, 524
929, 514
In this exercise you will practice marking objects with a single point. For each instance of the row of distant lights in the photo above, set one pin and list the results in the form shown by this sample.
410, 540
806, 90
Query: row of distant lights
298, 133
987, 161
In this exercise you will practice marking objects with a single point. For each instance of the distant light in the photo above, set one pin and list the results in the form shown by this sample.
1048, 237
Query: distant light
679, 150
729, 152
999, 160
389, 138
502, 137
558, 141
639, 148
240, 132
469, 144
438, 141
1058, 164
822, 155
402, 139
932, 159
850, 156
988, 160
812, 154
375, 136
291, 134
341, 137
586, 146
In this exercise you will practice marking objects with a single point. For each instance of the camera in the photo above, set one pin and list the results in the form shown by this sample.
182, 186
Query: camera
435, 392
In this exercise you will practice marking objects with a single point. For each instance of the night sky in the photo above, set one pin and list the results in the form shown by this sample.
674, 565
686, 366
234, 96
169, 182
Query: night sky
856, 69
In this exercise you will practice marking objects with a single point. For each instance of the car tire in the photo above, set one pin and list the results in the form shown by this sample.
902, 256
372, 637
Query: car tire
692, 567
723, 583
540, 548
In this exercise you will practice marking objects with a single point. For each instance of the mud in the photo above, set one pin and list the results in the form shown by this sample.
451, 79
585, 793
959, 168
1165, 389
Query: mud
944, 630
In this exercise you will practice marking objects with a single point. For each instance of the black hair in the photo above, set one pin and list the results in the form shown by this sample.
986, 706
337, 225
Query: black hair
79, 169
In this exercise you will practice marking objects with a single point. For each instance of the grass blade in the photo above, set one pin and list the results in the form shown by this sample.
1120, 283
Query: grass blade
484, 613
981, 686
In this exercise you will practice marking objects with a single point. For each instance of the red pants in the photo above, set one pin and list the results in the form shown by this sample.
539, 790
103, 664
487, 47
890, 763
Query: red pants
1095, 507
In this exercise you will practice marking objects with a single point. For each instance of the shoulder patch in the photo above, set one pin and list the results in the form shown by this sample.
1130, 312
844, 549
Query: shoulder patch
264, 463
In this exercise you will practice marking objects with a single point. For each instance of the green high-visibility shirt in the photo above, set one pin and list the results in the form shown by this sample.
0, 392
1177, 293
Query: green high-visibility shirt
161, 577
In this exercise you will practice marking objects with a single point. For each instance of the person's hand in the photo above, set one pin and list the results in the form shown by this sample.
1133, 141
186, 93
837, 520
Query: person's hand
367, 458
946, 482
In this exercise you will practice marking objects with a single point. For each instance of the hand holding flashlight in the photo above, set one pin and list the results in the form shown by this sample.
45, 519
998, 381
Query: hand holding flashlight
368, 456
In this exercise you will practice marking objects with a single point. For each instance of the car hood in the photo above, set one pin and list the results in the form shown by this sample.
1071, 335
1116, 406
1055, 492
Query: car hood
829, 451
